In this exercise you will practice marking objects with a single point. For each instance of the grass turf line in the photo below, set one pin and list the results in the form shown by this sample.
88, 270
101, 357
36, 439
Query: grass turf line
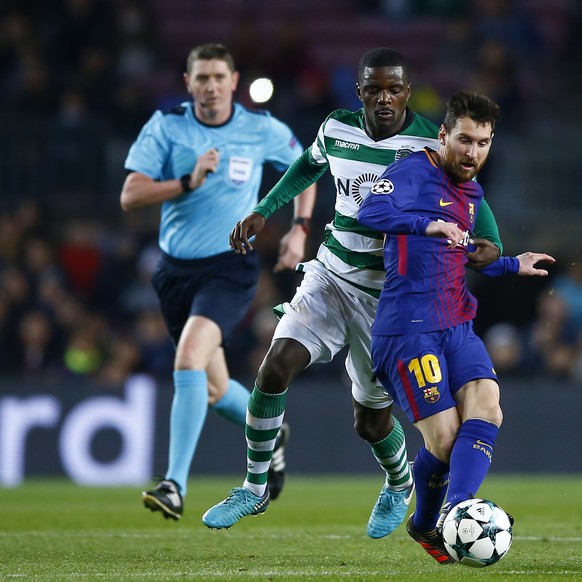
55, 530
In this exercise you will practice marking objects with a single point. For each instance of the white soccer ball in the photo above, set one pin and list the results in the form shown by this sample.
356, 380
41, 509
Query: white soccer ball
477, 533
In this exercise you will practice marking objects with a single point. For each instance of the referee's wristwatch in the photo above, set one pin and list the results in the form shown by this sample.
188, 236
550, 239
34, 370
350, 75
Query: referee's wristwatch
185, 181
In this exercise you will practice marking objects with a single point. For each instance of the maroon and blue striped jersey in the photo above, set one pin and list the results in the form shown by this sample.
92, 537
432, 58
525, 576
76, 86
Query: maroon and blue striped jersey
425, 287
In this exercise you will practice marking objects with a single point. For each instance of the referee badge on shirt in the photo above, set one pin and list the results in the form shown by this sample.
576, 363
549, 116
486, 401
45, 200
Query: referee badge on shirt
239, 169
431, 394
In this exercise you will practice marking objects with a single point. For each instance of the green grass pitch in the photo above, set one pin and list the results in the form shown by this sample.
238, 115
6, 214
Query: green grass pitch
316, 530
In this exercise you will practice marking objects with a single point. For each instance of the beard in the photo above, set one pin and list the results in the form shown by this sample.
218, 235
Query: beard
454, 169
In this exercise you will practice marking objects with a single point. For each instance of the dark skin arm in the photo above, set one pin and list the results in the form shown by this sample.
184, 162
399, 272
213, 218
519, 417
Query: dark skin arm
243, 230
485, 253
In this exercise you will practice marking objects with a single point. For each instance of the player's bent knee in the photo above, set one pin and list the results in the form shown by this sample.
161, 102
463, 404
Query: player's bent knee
492, 414
441, 446
284, 360
439, 433
372, 424
488, 409
271, 377
274, 375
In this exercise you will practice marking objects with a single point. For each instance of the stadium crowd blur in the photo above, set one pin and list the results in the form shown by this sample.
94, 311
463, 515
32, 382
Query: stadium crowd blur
80, 77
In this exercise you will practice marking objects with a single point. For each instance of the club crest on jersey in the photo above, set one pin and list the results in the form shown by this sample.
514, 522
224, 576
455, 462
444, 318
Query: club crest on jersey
383, 186
471, 211
431, 394
239, 169
403, 152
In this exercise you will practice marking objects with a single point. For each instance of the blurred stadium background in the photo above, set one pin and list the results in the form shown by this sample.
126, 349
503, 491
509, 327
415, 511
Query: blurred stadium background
84, 358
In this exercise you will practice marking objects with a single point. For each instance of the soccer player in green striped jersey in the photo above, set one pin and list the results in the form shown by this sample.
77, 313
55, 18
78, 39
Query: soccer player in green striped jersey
335, 304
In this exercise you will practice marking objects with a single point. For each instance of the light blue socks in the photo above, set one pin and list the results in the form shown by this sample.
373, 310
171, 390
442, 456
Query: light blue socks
187, 417
189, 408
233, 405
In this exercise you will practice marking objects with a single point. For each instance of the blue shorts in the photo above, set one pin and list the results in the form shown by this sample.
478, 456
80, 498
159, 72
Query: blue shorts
423, 372
220, 288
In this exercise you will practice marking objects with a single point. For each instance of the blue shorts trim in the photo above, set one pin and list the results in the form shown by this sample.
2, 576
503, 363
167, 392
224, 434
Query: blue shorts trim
220, 288
423, 372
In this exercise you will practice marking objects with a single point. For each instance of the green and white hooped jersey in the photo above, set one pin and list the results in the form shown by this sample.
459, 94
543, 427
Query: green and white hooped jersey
356, 161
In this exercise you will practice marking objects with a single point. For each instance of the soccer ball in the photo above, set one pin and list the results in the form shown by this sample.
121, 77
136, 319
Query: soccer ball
477, 533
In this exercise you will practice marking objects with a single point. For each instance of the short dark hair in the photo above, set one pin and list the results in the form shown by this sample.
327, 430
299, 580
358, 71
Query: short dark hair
207, 52
382, 57
477, 107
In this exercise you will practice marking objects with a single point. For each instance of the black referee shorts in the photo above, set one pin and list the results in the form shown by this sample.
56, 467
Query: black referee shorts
220, 288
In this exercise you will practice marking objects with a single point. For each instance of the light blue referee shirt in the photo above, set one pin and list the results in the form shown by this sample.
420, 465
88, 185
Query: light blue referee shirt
197, 224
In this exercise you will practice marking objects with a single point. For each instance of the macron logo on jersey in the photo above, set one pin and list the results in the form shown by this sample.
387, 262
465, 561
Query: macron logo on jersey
346, 145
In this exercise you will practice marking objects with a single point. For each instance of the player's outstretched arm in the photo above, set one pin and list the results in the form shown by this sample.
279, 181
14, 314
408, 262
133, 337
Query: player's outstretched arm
243, 230
523, 264
528, 261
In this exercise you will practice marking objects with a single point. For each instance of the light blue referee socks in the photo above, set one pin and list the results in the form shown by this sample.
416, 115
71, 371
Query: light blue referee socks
233, 405
187, 417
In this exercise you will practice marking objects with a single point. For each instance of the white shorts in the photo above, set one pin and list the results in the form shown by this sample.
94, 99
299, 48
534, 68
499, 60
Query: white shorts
324, 316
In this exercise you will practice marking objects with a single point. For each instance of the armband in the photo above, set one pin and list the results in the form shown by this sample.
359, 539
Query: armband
304, 222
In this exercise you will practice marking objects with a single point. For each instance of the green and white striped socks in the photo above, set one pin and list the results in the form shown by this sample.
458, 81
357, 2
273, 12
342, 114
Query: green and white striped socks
264, 418
390, 452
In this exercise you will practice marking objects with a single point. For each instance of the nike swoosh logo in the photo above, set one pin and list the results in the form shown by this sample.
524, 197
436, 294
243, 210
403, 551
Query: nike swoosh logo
479, 442
443, 203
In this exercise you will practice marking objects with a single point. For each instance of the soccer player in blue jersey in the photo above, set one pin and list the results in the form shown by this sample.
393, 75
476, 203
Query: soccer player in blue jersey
203, 162
424, 349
